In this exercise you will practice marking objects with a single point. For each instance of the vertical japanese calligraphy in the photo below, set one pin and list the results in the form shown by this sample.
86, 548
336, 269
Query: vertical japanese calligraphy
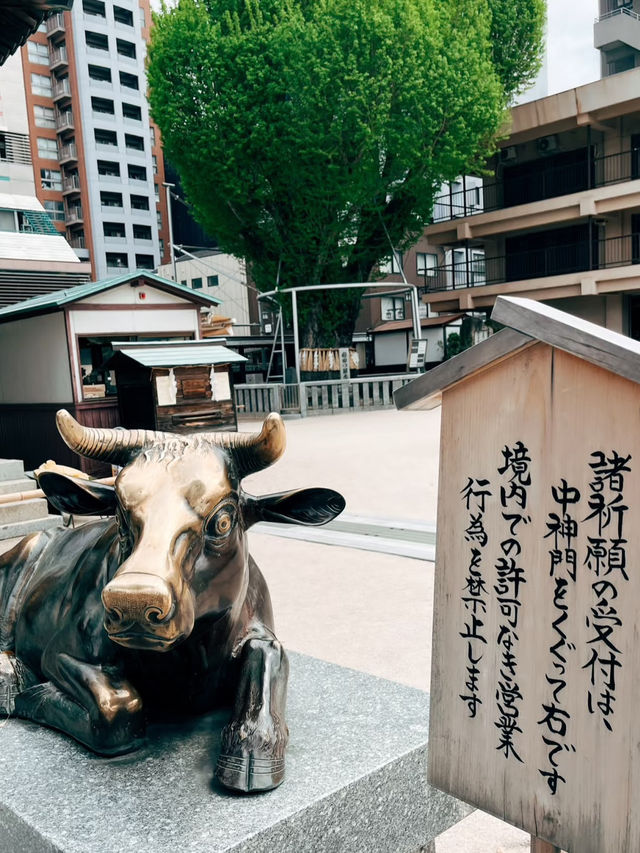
562, 529
516, 480
474, 494
606, 560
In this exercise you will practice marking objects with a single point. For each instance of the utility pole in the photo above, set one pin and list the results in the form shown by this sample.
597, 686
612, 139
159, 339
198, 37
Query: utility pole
168, 187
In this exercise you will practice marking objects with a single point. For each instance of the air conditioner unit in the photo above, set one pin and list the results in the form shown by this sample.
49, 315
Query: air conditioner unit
507, 154
547, 145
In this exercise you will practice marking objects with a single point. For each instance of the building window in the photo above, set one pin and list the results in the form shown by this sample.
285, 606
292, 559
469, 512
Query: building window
117, 260
196, 283
183, 281
97, 41
131, 111
145, 262
50, 179
426, 263
109, 168
134, 142
393, 265
94, 7
126, 48
113, 229
8, 220
38, 52
102, 105
137, 173
130, 81
159, 219
47, 148
152, 131
155, 164
111, 199
41, 85
122, 16
213, 281
157, 192
161, 244
44, 116
55, 209
105, 137
139, 202
142, 232
100, 73
392, 307
142, 18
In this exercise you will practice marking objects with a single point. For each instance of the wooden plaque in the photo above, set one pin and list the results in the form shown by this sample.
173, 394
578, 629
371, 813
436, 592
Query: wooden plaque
535, 692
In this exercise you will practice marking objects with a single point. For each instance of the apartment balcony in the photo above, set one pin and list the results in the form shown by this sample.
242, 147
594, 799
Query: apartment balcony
78, 245
61, 89
586, 268
71, 184
554, 195
64, 121
74, 215
55, 24
68, 153
617, 28
58, 58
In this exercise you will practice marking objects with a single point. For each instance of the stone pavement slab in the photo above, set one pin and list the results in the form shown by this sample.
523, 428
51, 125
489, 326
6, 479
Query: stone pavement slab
356, 781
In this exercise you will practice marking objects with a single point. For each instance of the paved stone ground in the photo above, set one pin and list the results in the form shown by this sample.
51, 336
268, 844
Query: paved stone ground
369, 611
362, 609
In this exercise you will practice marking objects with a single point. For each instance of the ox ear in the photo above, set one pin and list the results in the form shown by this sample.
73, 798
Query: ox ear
79, 497
311, 507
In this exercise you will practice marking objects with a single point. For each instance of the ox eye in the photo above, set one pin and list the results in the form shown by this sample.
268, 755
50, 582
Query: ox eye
221, 523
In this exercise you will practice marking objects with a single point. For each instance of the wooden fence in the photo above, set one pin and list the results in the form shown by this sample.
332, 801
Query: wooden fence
321, 397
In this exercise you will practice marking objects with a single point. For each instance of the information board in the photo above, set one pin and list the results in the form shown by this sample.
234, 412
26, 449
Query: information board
535, 693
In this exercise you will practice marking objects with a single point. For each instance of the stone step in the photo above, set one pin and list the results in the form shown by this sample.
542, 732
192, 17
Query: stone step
11, 469
8, 487
23, 510
18, 529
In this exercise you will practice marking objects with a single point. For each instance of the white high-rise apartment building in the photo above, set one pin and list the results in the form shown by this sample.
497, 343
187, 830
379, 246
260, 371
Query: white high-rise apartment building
96, 153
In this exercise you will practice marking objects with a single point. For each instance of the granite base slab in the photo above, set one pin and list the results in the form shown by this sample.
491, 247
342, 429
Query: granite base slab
356, 781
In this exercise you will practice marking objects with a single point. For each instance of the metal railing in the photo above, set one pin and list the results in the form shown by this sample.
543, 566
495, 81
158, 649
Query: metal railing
322, 397
469, 199
536, 263
64, 120
55, 22
614, 11
77, 243
68, 152
61, 88
74, 214
71, 183
57, 56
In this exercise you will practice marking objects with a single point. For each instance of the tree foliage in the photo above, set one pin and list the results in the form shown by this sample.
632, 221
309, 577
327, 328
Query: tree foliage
310, 133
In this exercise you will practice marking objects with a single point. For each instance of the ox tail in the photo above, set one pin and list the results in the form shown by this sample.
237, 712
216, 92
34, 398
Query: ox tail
16, 569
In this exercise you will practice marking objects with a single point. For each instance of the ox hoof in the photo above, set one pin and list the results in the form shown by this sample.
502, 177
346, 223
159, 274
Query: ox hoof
249, 774
14, 678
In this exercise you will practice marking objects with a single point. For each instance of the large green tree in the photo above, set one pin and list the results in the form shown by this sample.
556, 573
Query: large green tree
312, 134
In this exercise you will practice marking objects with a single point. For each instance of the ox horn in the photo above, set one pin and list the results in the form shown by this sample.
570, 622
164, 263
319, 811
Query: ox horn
117, 446
252, 452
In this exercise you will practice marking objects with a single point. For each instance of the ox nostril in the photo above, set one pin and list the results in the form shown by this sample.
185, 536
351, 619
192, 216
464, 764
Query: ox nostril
114, 615
137, 597
158, 615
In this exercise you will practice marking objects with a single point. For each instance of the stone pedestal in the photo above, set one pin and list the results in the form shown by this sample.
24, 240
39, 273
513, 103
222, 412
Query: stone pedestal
356, 781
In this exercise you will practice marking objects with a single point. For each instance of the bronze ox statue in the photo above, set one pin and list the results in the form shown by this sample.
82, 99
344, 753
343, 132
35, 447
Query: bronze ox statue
159, 608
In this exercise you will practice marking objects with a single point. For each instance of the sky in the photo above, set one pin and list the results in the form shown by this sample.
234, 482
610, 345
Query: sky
571, 58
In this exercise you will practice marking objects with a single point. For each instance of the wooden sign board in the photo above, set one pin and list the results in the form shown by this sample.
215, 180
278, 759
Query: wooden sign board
535, 693
417, 354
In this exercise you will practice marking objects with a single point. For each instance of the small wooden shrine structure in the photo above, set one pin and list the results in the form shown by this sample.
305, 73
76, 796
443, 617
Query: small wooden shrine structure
535, 689
175, 386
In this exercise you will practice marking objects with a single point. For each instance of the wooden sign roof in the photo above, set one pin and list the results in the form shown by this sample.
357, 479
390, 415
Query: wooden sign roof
526, 322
